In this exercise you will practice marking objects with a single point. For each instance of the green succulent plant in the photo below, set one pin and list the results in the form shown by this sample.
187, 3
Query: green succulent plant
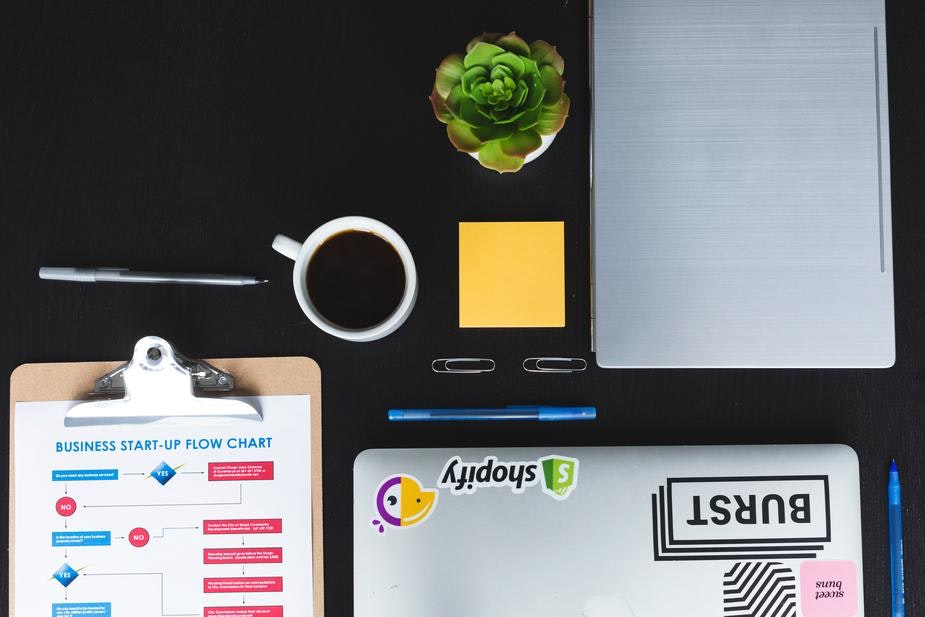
500, 98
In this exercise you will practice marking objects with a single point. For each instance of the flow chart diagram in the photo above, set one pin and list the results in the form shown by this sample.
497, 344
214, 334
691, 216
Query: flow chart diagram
179, 532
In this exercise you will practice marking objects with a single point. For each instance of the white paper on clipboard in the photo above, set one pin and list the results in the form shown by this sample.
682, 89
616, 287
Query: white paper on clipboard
195, 515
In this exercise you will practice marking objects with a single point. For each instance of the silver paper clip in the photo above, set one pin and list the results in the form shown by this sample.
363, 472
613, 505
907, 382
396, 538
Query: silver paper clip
555, 365
463, 365
159, 384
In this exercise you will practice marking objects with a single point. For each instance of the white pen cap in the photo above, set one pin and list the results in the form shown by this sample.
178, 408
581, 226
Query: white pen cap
80, 275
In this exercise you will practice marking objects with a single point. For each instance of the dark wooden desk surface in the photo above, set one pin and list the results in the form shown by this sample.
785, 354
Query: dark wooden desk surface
184, 135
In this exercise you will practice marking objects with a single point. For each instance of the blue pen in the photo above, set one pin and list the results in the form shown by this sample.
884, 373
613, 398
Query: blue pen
896, 544
543, 413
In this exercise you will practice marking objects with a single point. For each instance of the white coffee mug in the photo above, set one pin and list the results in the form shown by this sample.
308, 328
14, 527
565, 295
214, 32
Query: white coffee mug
302, 254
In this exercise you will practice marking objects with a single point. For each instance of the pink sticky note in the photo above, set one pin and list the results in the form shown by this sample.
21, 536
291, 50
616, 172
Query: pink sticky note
829, 588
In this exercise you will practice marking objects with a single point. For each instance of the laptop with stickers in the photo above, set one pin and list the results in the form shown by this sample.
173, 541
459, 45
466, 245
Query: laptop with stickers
771, 531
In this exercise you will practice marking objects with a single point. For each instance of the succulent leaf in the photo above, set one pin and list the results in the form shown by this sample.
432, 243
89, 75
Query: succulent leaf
462, 137
454, 100
492, 157
530, 119
472, 77
552, 117
535, 91
443, 114
531, 65
521, 143
485, 37
500, 71
552, 82
544, 53
449, 73
481, 55
478, 93
472, 115
520, 94
513, 43
497, 113
512, 116
493, 132
511, 61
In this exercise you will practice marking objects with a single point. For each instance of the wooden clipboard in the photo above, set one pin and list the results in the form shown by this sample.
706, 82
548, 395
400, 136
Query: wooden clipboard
71, 381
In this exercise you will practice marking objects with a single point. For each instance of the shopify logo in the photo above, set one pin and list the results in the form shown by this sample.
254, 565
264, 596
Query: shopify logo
560, 475
557, 475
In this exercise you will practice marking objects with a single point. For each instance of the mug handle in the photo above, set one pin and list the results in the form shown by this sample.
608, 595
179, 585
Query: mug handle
286, 246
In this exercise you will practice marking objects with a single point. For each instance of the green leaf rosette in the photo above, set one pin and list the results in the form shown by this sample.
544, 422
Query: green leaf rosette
500, 98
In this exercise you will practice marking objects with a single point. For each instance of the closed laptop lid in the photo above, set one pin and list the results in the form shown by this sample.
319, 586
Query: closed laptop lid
607, 532
741, 185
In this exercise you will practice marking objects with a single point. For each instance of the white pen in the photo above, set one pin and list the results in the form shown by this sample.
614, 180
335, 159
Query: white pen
124, 275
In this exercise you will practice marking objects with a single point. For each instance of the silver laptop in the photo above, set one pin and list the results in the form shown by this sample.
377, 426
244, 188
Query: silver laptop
741, 184
608, 532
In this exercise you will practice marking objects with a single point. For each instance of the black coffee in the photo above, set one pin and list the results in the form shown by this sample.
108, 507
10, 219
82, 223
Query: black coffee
355, 279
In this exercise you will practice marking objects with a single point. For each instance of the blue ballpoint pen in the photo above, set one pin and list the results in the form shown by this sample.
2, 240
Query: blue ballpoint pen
543, 413
896, 544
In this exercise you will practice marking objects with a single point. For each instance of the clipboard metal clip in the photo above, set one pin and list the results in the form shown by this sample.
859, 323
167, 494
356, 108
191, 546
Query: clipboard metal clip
159, 383
206, 378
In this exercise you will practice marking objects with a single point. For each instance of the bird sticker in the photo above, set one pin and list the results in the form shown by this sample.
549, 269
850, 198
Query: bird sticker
402, 501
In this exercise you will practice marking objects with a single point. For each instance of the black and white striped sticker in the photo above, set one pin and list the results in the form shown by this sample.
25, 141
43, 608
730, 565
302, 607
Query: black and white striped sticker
759, 589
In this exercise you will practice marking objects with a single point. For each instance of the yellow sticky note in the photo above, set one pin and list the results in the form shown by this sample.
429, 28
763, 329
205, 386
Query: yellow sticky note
512, 275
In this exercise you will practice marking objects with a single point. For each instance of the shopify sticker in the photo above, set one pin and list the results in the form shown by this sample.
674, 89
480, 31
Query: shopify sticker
557, 475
